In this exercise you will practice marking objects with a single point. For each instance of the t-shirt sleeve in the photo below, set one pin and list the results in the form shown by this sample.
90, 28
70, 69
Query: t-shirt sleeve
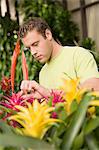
85, 65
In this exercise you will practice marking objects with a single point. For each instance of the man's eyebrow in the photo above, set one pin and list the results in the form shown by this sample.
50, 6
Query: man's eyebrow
28, 47
34, 42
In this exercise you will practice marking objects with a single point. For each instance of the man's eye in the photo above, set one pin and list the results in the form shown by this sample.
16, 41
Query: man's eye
35, 44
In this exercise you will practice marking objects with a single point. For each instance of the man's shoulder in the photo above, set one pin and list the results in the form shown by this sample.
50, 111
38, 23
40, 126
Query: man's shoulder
77, 49
74, 49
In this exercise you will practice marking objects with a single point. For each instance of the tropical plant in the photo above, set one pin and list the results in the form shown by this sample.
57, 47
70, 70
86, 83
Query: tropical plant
73, 129
68, 119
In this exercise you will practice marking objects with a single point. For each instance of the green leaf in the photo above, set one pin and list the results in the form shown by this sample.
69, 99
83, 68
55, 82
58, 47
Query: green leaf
97, 110
76, 123
24, 141
1, 148
50, 101
91, 142
74, 106
78, 142
5, 128
91, 125
6, 109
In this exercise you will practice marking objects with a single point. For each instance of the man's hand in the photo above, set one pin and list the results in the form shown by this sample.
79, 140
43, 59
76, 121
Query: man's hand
31, 88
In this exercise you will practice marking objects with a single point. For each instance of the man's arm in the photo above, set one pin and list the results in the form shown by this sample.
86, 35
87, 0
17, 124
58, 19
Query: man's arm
37, 91
91, 84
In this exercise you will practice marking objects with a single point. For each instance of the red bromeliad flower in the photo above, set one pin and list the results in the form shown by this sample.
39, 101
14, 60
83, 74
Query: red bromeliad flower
5, 84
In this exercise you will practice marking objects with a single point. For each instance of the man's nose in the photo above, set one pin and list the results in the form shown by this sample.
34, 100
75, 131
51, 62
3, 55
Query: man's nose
33, 51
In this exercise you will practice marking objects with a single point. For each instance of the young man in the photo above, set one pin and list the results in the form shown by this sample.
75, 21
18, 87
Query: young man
60, 61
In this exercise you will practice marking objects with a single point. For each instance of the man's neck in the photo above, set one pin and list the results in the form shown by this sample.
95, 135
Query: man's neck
56, 49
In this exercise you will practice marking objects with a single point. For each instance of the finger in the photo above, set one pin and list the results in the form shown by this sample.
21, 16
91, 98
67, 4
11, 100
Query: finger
24, 85
35, 95
27, 96
31, 87
34, 85
20, 93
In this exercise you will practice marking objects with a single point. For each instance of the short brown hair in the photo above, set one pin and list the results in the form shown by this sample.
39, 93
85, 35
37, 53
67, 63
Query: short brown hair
35, 23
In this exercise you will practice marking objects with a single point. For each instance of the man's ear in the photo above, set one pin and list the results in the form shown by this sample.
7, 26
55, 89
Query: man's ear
48, 34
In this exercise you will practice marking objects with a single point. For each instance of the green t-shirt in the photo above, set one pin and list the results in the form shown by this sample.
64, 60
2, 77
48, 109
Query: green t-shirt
71, 62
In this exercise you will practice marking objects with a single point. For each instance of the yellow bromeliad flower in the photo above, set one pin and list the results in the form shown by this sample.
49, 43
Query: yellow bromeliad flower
71, 91
35, 119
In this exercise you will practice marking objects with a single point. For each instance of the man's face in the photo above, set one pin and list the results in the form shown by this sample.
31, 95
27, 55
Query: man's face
40, 47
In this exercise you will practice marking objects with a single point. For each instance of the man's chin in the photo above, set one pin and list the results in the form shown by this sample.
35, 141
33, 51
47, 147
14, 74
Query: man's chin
42, 61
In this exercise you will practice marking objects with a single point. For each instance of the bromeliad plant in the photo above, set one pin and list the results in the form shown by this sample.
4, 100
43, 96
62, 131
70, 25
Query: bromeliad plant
67, 120
9, 99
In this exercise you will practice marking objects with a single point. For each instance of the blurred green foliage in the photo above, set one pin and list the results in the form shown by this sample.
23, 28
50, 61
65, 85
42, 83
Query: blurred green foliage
7, 41
63, 28
88, 43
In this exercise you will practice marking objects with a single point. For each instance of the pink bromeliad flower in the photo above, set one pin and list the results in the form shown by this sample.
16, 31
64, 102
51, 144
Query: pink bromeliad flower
54, 115
15, 99
57, 97
10, 102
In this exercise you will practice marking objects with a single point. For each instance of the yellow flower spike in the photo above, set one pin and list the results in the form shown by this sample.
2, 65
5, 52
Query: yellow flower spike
36, 106
71, 92
95, 93
35, 119
94, 103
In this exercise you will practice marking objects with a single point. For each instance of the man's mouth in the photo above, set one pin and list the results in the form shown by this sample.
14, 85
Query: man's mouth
38, 57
